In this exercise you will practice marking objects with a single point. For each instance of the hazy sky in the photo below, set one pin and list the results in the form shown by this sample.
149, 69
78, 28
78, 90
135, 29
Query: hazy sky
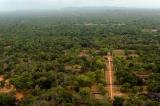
12, 5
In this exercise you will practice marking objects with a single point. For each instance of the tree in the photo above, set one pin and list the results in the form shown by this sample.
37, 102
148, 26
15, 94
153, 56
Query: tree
136, 89
102, 88
85, 93
21, 82
154, 82
84, 80
7, 100
133, 100
118, 101
125, 87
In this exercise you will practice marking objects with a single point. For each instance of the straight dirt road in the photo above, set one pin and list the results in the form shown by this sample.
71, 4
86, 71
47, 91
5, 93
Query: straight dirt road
109, 76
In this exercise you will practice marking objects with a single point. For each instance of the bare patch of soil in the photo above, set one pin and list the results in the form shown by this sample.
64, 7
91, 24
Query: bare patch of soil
1, 78
19, 95
7, 89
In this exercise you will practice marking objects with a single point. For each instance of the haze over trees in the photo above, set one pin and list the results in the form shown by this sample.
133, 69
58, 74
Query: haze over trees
54, 59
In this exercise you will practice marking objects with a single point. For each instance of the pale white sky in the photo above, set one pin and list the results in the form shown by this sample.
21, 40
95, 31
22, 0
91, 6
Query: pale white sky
12, 5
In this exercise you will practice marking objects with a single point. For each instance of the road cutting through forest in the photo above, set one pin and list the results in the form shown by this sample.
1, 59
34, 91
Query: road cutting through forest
109, 76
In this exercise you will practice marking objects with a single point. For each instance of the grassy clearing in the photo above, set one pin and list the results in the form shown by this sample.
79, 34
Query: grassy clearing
119, 53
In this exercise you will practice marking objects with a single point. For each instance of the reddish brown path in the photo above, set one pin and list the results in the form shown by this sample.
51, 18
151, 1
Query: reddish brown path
109, 76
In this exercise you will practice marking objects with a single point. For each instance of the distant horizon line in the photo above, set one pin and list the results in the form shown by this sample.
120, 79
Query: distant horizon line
82, 7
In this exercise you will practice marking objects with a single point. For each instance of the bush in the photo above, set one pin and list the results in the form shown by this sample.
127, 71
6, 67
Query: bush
7, 100
125, 87
118, 101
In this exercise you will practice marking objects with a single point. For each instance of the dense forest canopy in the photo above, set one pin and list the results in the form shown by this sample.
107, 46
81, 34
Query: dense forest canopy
55, 58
